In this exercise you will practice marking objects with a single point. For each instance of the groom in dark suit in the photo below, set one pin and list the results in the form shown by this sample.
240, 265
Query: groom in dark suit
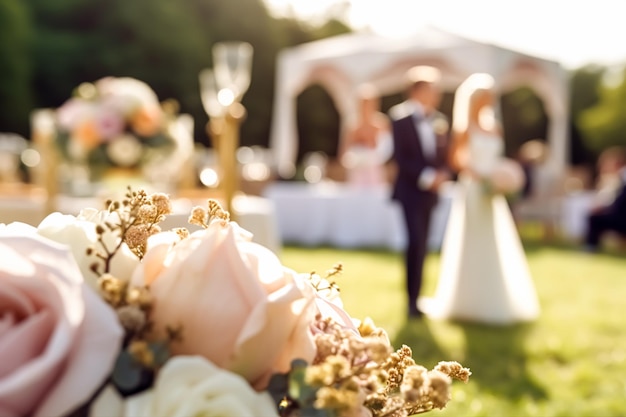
611, 217
420, 153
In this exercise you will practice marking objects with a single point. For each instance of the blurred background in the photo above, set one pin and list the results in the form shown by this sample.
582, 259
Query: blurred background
50, 47
570, 363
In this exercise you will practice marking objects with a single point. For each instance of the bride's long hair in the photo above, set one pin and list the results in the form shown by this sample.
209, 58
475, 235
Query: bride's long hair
464, 98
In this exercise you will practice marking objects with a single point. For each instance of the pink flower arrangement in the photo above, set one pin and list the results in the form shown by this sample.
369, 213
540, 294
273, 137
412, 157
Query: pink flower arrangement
113, 122
204, 323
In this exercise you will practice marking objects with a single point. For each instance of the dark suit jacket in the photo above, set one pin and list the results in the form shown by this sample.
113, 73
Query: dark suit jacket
610, 217
410, 161
618, 206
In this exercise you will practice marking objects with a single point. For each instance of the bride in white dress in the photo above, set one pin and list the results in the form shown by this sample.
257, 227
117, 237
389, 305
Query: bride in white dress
484, 273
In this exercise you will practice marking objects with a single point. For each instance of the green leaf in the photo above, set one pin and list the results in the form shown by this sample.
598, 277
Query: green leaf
129, 376
127, 372
310, 411
278, 386
161, 352
298, 389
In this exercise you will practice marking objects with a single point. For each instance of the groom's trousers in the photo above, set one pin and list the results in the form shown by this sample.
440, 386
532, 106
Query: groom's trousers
417, 222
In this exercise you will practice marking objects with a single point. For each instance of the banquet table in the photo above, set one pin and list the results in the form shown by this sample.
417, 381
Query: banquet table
326, 213
253, 213
346, 216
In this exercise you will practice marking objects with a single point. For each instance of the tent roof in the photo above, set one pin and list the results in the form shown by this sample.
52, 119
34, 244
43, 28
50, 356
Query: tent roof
342, 63
367, 57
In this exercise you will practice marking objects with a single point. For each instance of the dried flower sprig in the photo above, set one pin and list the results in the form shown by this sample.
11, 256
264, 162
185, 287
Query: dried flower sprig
353, 372
139, 358
326, 284
202, 217
361, 371
454, 370
140, 220
132, 221
131, 303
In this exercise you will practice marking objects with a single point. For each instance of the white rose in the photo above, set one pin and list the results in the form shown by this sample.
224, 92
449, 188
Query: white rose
58, 339
193, 386
79, 233
17, 228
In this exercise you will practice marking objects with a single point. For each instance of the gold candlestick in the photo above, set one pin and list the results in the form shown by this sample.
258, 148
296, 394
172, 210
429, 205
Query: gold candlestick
221, 91
227, 151
46, 174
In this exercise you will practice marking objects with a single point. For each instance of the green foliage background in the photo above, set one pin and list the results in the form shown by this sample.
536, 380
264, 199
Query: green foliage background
604, 122
50, 47
16, 92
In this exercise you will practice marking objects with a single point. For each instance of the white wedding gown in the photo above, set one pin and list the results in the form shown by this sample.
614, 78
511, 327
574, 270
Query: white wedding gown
484, 273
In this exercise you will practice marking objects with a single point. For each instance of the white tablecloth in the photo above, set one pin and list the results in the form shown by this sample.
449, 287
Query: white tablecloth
255, 214
345, 216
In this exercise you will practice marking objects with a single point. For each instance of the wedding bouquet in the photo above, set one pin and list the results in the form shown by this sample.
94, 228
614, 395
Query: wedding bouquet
113, 122
105, 314
506, 177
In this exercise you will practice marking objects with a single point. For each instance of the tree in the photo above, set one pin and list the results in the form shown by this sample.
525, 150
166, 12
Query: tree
15, 67
77, 41
584, 93
165, 44
603, 125
318, 118
248, 21
318, 122
523, 118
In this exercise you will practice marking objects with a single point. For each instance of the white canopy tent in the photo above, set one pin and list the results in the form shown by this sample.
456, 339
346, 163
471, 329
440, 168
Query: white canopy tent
342, 63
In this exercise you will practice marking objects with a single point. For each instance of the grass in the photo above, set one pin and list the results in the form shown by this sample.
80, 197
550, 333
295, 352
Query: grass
571, 362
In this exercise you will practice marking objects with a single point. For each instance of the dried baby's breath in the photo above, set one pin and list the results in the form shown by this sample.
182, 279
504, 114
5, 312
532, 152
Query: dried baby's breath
199, 216
217, 212
141, 352
353, 370
454, 370
132, 318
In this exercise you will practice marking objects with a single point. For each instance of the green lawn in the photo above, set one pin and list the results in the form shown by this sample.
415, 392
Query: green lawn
571, 362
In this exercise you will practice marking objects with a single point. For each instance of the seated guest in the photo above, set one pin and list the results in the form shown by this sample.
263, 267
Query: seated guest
608, 182
610, 217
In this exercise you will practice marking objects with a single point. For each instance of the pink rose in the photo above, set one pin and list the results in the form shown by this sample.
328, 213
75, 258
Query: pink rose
239, 307
109, 122
74, 112
58, 339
